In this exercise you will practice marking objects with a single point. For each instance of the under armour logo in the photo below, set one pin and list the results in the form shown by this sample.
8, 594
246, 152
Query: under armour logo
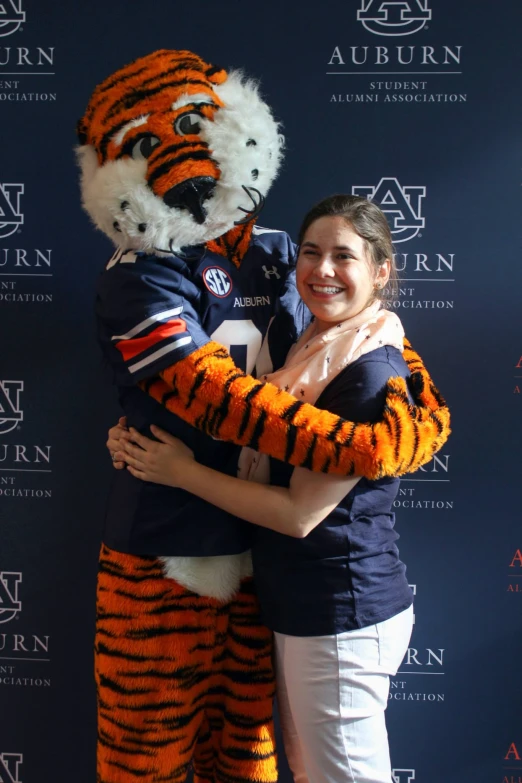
272, 271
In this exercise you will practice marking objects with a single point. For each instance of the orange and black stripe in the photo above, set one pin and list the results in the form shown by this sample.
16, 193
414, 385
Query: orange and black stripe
207, 390
180, 678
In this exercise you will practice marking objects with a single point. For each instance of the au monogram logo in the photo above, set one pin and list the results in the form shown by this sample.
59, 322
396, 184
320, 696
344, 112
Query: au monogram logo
401, 204
384, 17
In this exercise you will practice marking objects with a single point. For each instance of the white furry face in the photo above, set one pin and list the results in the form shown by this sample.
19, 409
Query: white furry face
245, 145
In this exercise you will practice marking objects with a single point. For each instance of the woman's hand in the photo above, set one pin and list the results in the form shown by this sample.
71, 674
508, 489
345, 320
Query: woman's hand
161, 463
114, 442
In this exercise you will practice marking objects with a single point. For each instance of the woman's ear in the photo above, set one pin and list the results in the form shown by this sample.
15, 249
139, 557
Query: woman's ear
383, 274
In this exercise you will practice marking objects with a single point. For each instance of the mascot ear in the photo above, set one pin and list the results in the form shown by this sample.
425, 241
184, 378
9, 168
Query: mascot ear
215, 74
81, 131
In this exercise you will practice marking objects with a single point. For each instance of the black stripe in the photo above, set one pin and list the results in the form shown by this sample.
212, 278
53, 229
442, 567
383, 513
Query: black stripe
105, 139
246, 415
435, 417
175, 148
188, 675
140, 634
335, 430
258, 430
291, 438
416, 441
113, 616
213, 70
171, 395
121, 749
140, 773
173, 607
106, 569
159, 596
221, 412
130, 100
164, 168
309, 459
185, 65
102, 649
290, 412
348, 441
107, 682
109, 717
205, 427
198, 380
152, 565
326, 465
243, 755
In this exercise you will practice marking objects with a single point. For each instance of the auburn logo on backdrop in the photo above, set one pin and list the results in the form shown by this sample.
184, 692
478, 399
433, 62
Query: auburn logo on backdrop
383, 17
401, 204
11, 16
403, 775
513, 753
11, 217
10, 604
10, 767
10, 411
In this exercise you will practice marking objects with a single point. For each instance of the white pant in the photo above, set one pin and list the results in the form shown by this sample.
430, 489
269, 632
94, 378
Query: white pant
332, 692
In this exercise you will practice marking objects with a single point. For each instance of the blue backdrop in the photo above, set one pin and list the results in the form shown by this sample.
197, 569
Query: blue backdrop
416, 104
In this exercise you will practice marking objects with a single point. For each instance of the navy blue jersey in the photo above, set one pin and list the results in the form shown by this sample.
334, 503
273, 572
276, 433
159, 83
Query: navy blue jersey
154, 311
346, 573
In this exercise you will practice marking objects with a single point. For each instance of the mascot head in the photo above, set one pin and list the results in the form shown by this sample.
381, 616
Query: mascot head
175, 152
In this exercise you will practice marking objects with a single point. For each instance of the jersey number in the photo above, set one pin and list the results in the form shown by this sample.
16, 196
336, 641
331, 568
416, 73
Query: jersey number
243, 341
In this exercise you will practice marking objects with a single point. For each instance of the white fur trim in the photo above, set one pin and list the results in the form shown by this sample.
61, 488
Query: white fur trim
187, 99
118, 137
214, 577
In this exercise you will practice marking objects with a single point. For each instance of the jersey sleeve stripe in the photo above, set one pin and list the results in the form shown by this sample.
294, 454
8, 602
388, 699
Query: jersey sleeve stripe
131, 348
179, 343
147, 322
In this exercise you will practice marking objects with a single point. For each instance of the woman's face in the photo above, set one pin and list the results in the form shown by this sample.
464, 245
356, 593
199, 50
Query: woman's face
335, 275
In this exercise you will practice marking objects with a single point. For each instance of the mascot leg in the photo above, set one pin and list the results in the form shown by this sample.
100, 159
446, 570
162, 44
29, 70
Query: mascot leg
236, 743
153, 658
179, 676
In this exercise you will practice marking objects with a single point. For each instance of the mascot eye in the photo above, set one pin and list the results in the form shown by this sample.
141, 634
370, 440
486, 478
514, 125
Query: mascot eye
144, 147
188, 124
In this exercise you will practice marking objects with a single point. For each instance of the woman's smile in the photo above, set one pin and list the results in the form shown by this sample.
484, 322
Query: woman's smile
323, 291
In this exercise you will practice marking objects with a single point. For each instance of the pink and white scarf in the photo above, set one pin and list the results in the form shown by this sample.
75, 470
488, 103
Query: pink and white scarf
315, 360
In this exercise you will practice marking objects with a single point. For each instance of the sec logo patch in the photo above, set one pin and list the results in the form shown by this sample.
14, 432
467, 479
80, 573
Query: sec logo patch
217, 281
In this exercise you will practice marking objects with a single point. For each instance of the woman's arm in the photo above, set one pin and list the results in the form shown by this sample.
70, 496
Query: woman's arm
295, 511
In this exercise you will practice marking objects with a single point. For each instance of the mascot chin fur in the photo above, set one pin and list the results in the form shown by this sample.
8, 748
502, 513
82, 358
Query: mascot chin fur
177, 157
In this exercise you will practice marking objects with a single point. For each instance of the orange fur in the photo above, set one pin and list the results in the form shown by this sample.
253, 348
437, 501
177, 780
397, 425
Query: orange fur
404, 439
150, 86
179, 676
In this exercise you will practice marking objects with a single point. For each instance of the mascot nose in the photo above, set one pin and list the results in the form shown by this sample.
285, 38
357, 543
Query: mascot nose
190, 195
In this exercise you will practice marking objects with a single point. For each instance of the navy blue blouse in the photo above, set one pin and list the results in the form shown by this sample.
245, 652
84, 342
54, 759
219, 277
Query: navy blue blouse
346, 573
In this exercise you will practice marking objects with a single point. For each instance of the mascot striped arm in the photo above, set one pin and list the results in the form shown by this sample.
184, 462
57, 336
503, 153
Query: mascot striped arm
175, 154
172, 153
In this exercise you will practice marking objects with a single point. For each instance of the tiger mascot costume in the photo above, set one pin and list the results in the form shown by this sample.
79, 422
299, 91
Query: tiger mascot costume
176, 159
